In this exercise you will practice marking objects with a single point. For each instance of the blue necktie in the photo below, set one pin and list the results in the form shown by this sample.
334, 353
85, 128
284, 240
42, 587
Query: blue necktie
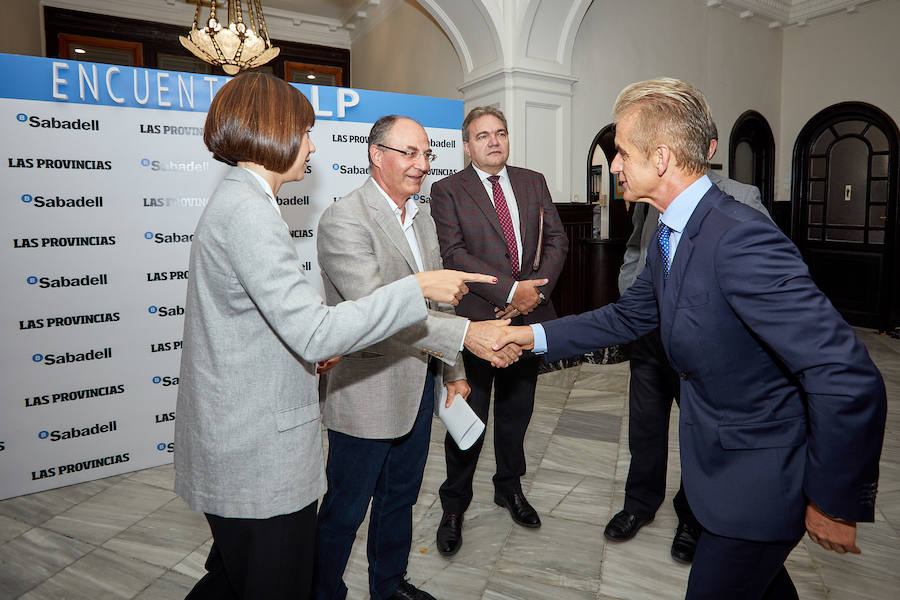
662, 236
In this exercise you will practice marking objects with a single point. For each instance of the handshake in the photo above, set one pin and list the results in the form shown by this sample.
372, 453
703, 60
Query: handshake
493, 341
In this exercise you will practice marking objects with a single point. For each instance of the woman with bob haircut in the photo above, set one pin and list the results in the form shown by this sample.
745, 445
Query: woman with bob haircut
248, 444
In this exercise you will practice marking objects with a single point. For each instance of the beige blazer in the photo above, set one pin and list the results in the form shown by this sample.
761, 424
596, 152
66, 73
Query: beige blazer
376, 393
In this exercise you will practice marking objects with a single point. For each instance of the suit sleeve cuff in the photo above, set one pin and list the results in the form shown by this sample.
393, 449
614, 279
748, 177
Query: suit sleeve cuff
512, 292
540, 339
462, 342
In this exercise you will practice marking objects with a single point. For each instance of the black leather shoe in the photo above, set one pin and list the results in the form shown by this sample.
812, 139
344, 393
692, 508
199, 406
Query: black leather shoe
521, 512
407, 591
685, 543
449, 534
624, 526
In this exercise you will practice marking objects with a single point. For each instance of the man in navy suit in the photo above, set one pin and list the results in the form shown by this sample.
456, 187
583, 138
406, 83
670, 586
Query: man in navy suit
782, 411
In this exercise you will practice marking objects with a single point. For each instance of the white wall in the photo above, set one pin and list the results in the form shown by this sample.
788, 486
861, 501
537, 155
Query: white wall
406, 53
20, 27
835, 59
735, 62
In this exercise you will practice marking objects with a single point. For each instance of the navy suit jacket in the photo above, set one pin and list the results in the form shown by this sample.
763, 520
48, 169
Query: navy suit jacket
780, 402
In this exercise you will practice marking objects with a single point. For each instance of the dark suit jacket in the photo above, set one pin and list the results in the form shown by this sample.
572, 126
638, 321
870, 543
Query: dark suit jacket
780, 403
471, 238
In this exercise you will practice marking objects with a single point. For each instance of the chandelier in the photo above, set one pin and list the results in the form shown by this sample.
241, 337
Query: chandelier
235, 46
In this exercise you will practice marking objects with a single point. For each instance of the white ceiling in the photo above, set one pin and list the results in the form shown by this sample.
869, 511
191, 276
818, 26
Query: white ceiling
779, 13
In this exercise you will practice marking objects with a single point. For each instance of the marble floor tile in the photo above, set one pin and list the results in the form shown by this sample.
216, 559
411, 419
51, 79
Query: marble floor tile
169, 586
11, 528
561, 552
587, 399
35, 509
587, 425
192, 565
162, 476
642, 569
447, 582
504, 587
32, 557
590, 501
100, 575
562, 379
110, 512
165, 537
576, 456
550, 488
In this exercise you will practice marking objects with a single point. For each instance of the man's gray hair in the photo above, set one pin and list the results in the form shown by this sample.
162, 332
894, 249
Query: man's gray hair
478, 112
669, 112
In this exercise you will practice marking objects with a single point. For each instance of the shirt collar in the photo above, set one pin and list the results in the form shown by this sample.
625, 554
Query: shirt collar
483, 175
412, 208
682, 207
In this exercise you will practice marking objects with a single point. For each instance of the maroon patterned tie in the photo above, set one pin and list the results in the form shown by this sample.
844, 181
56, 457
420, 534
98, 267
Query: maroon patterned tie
509, 233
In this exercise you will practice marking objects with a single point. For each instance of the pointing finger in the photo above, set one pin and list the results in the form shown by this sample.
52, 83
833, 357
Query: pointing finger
479, 278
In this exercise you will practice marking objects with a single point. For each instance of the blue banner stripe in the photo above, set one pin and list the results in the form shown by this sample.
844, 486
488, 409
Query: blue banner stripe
76, 82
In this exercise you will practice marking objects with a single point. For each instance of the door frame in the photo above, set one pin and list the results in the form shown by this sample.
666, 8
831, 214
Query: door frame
889, 300
753, 128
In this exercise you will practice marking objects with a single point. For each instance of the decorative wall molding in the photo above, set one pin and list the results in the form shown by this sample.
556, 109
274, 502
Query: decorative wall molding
788, 13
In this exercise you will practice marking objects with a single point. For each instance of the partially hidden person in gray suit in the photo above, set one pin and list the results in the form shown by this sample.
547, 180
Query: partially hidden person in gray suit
654, 384
380, 401
248, 444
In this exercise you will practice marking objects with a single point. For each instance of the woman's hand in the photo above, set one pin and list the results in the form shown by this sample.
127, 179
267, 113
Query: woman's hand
449, 286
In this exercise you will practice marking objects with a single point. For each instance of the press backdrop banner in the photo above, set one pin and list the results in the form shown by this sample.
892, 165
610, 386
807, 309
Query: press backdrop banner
104, 177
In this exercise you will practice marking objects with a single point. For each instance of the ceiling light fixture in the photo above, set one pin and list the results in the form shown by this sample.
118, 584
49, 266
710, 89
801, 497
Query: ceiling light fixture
236, 45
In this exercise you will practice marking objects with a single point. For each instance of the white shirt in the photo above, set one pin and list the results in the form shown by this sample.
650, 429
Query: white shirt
407, 226
680, 210
411, 210
513, 211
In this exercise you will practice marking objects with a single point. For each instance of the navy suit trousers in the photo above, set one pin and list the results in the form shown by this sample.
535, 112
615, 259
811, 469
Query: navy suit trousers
740, 570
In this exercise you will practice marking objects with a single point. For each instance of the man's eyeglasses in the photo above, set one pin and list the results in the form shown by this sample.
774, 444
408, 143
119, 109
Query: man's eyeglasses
413, 154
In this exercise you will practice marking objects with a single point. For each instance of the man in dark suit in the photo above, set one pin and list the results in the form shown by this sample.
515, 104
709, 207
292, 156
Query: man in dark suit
654, 384
782, 411
502, 219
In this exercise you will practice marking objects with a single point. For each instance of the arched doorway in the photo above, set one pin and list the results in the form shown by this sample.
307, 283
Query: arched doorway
751, 155
619, 215
845, 210
604, 256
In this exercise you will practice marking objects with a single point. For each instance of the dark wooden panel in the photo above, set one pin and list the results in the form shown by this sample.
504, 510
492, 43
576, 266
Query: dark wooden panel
851, 281
604, 259
571, 296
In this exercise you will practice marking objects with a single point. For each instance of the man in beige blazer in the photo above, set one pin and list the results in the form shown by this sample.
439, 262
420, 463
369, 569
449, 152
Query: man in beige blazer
380, 400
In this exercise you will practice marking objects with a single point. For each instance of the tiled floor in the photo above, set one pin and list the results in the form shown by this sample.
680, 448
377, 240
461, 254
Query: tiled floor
129, 536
